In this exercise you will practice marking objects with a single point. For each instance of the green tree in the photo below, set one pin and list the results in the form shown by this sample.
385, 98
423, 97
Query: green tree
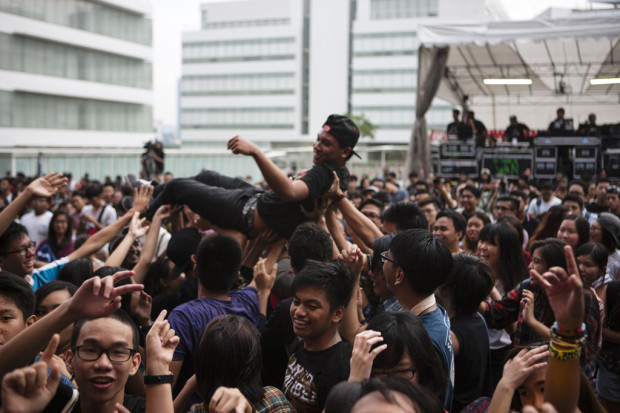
366, 127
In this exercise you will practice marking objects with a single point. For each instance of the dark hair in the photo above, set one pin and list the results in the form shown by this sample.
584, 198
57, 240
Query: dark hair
66, 237
218, 259
14, 232
467, 243
342, 397
119, 315
92, 191
512, 268
76, 271
406, 215
582, 226
413, 174
157, 271
373, 201
422, 182
573, 198
519, 194
458, 220
309, 241
404, 331
608, 240
514, 202
79, 241
109, 184
48, 288
552, 252
515, 223
580, 183
546, 186
596, 251
475, 191
425, 260
16, 289
229, 354
603, 180
430, 200
382, 196
380, 245
550, 224
469, 284
423, 400
333, 278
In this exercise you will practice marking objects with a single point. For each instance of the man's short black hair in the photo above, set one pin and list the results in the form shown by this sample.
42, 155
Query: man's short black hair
334, 278
458, 220
422, 182
573, 198
580, 183
469, 284
425, 260
218, 259
602, 180
406, 215
119, 315
519, 194
514, 202
109, 184
546, 186
413, 174
14, 232
16, 289
373, 201
309, 242
475, 191
430, 200
92, 191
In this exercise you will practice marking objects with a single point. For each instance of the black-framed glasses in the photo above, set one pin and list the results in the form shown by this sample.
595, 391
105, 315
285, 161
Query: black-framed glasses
115, 354
406, 374
384, 258
22, 250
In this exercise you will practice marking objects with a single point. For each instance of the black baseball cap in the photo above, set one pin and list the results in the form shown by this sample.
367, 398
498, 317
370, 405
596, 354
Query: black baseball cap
344, 130
181, 247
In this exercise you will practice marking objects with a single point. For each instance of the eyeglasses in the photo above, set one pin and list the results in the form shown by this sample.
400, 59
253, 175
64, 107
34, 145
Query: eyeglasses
406, 374
115, 355
22, 251
384, 258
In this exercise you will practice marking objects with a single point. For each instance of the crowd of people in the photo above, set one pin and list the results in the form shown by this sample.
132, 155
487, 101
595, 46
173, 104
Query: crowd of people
324, 291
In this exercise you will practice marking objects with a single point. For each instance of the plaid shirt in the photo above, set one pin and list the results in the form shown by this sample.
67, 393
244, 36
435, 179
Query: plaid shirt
502, 313
273, 402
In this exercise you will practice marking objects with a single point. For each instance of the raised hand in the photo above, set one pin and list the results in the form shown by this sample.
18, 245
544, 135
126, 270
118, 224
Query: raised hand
565, 291
97, 297
362, 356
143, 309
137, 229
141, 198
264, 280
163, 212
352, 257
527, 303
160, 344
29, 389
47, 185
227, 400
519, 368
240, 145
334, 191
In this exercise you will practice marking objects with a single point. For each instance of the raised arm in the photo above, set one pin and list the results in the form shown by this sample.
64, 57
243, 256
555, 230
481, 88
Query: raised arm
150, 244
283, 187
350, 324
136, 230
45, 186
97, 297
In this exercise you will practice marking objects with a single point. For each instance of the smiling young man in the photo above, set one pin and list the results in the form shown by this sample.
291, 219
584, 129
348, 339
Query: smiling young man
450, 227
321, 292
237, 205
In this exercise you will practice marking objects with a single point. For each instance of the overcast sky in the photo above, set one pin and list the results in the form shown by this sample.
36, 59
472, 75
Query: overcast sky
171, 18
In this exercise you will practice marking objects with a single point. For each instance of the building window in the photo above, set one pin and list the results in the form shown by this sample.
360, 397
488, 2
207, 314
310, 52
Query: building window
384, 44
239, 50
31, 110
384, 81
242, 23
238, 118
402, 9
85, 15
239, 84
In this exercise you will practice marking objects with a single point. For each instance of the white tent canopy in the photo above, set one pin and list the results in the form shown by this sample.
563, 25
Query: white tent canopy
560, 57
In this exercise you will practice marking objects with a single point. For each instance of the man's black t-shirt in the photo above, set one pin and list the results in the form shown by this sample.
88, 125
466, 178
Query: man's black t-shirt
517, 131
283, 217
131, 403
310, 375
595, 208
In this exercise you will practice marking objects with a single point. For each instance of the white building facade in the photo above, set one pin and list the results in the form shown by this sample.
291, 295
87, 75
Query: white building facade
75, 73
274, 69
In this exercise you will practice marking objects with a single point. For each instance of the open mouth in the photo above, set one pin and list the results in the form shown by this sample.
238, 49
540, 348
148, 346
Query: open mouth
102, 383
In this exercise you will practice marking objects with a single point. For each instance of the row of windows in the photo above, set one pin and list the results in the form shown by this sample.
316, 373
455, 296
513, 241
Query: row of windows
402, 117
384, 44
85, 15
392, 80
231, 50
239, 84
29, 110
30, 55
402, 9
238, 118
242, 23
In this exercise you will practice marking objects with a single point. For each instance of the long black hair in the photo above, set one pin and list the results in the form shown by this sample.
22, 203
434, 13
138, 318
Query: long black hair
511, 269
66, 237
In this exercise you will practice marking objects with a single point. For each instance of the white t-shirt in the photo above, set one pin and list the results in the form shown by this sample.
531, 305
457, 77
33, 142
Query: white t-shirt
37, 226
108, 217
535, 210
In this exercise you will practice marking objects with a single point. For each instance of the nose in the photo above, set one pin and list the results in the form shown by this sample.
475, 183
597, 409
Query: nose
539, 399
103, 362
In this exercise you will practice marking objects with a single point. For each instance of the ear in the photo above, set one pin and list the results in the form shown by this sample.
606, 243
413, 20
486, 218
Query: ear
399, 277
338, 314
135, 363
460, 236
69, 361
346, 151
31, 320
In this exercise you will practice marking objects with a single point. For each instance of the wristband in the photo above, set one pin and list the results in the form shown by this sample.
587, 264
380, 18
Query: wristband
340, 197
564, 355
162, 379
569, 333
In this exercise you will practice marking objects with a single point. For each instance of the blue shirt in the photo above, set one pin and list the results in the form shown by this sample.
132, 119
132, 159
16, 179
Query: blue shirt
46, 273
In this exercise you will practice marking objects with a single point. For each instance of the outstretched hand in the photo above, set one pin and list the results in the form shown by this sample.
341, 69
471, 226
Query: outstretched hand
240, 145
519, 368
29, 389
565, 291
264, 280
47, 185
98, 297
141, 198
353, 257
160, 344
137, 229
362, 356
